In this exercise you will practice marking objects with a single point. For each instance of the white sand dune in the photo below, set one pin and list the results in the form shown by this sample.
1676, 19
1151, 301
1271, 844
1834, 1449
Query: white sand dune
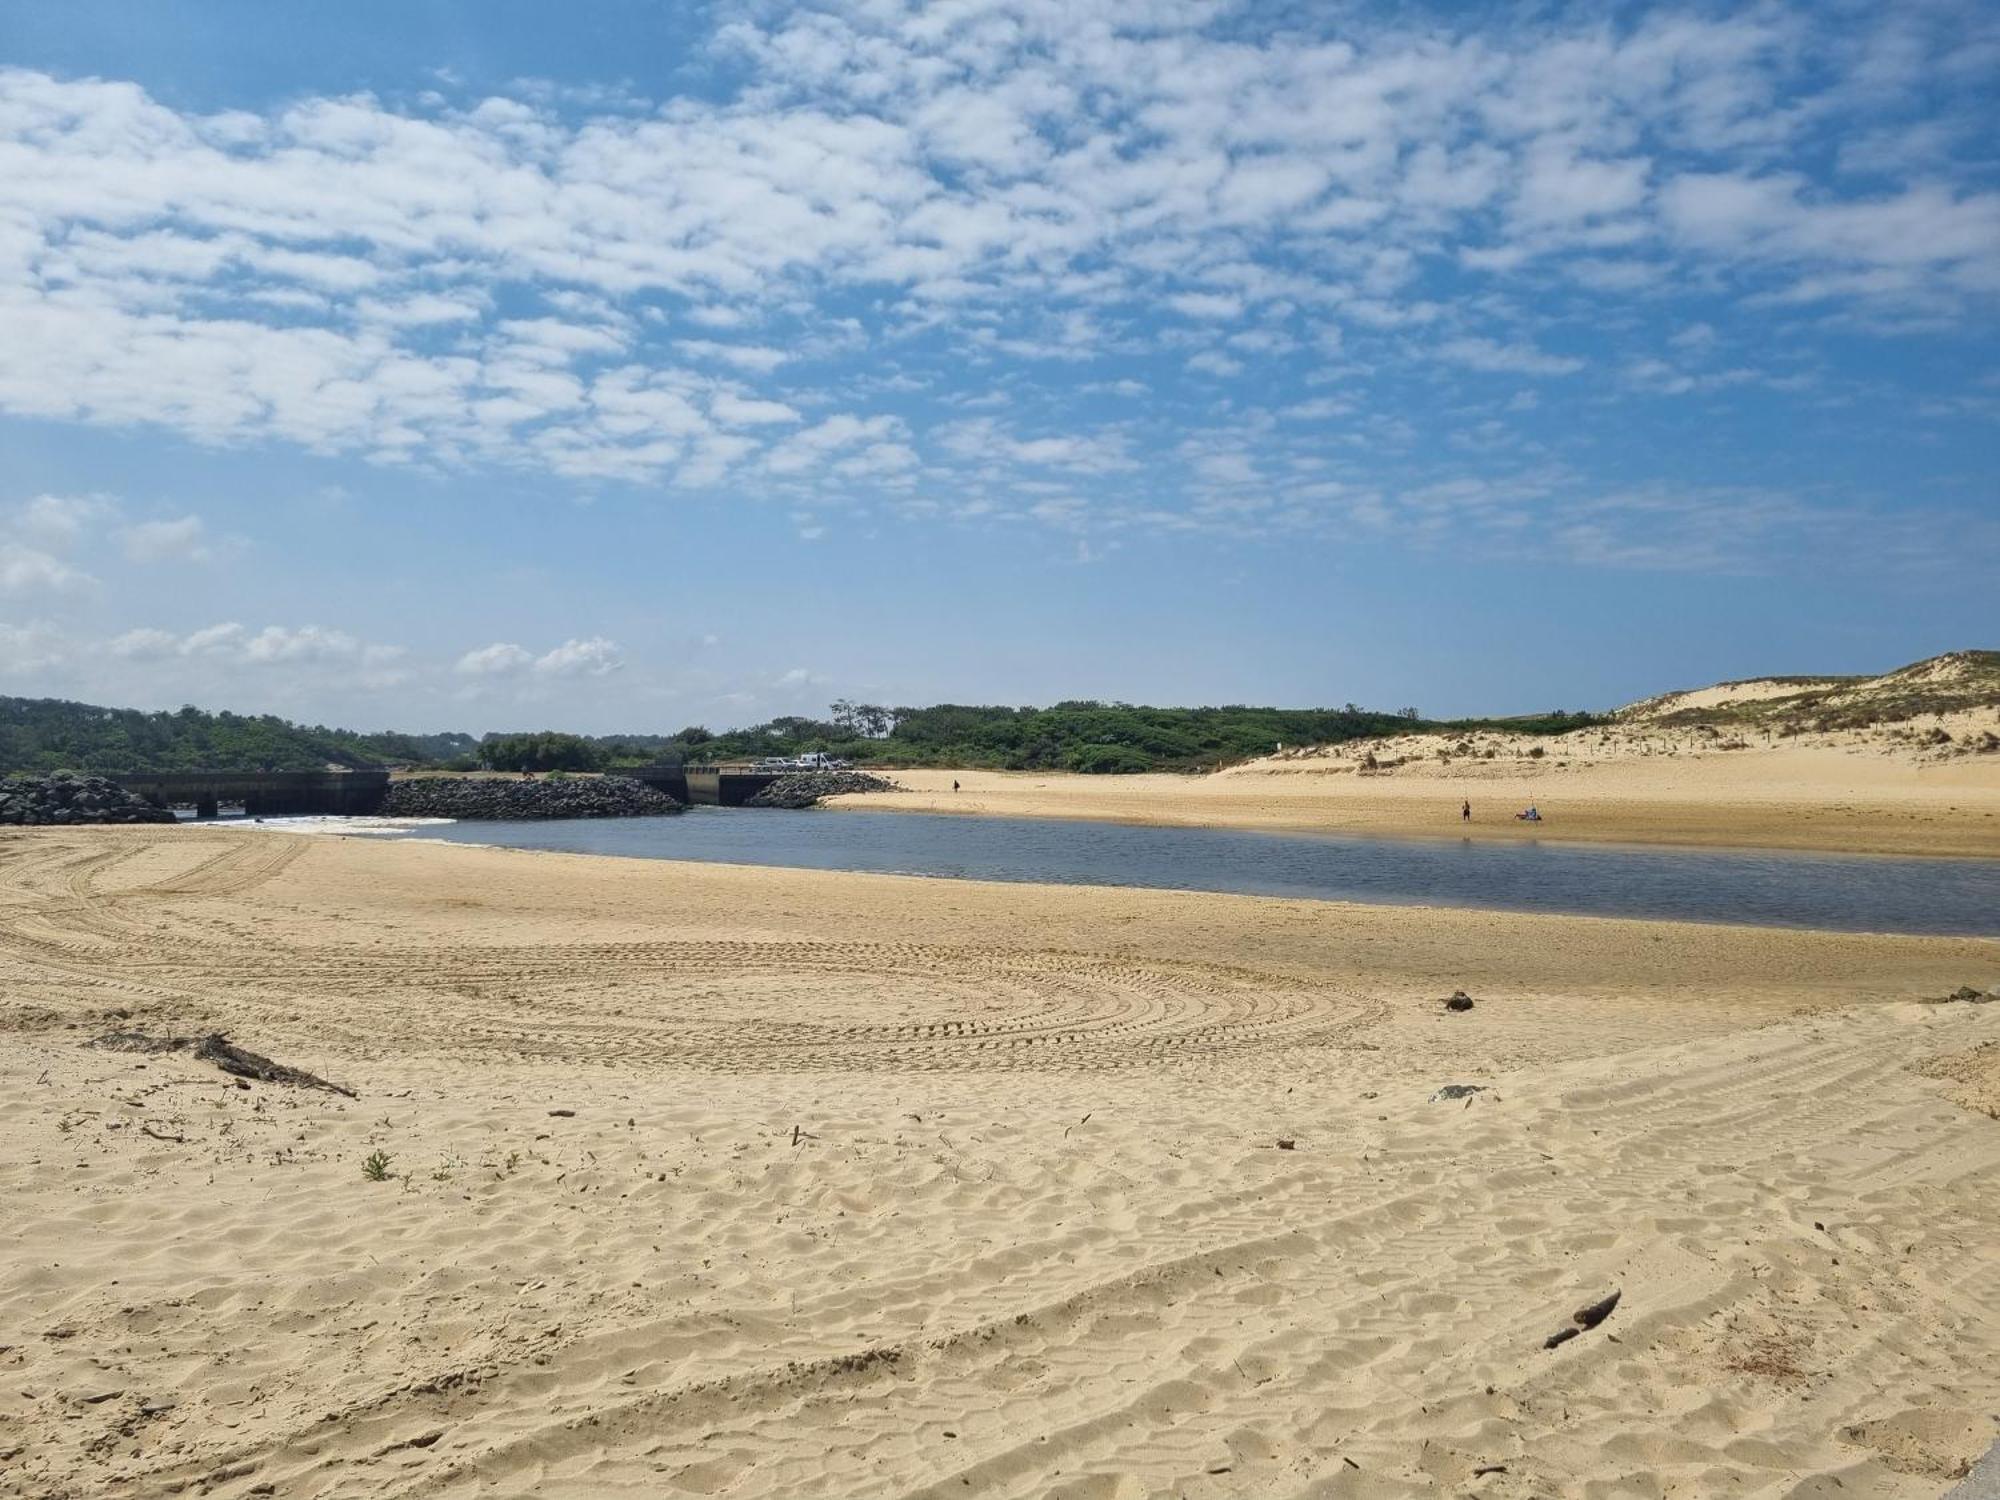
878, 1187
1728, 694
1895, 780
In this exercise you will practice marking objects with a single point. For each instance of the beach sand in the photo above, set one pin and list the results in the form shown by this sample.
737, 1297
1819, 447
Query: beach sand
706, 1180
1834, 793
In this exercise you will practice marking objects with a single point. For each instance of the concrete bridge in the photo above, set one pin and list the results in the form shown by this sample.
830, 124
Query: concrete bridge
706, 786
263, 794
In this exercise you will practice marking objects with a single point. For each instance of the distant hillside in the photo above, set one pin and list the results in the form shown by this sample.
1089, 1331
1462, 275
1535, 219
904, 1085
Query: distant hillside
43, 734
1952, 683
49, 734
1075, 736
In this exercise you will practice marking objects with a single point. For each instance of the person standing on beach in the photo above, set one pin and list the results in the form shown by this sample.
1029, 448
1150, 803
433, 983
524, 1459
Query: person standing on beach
1465, 812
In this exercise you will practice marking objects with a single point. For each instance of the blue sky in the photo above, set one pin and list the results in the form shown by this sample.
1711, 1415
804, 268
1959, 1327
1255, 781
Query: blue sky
626, 366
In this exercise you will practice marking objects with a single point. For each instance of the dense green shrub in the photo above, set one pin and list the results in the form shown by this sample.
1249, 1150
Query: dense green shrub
50, 734
547, 751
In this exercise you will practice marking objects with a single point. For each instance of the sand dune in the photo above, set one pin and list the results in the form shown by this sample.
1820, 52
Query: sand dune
1904, 763
884, 1187
1625, 785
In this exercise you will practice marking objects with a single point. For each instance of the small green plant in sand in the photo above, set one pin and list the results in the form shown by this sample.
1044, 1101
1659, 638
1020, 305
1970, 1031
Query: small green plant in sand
376, 1167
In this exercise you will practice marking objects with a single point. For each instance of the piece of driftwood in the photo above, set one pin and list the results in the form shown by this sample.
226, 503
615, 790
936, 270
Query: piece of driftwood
217, 1049
1596, 1312
1585, 1317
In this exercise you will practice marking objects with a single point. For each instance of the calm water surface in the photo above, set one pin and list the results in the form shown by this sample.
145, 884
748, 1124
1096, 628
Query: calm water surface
1859, 893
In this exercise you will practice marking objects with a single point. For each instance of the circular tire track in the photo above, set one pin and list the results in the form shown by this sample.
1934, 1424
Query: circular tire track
702, 1004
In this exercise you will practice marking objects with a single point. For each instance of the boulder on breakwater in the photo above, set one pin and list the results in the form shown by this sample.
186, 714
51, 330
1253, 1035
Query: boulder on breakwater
490, 798
805, 788
66, 798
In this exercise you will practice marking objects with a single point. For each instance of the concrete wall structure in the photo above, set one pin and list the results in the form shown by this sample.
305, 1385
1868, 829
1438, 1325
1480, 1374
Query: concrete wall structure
263, 794
271, 794
725, 786
669, 779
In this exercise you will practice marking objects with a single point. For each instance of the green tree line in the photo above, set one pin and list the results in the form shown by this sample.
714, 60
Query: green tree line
45, 734
49, 734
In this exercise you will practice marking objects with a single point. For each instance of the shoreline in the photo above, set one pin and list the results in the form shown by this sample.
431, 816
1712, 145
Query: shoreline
1980, 948
1949, 820
1336, 902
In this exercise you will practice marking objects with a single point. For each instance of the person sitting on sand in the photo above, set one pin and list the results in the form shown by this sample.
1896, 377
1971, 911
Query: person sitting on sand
1532, 815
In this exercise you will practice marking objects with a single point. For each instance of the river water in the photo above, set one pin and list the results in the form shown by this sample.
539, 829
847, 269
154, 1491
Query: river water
1858, 893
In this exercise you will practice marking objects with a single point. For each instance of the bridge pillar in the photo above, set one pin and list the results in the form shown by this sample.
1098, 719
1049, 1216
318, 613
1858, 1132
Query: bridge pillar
207, 807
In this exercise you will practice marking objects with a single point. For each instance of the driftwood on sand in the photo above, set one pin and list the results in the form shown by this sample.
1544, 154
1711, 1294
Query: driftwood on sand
1584, 1318
218, 1049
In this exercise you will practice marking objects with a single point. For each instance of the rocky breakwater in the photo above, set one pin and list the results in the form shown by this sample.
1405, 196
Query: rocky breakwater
67, 798
493, 799
805, 788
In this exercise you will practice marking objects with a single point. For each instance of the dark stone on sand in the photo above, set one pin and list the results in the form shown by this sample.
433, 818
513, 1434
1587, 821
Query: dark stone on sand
63, 798
1459, 1001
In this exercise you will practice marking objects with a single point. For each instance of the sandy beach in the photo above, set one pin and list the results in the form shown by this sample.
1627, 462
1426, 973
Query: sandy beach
709, 1180
1830, 796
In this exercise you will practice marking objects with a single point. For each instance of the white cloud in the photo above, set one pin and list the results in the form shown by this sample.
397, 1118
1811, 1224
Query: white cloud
58, 521
811, 447
213, 639
351, 276
878, 461
585, 658
1205, 305
26, 570
181, 540
755, 357
307, 643
31, 648
1927, 239
1559, 187
1215, 362
501, 659
1319, 409
907, 210
229, 643
985, 440
421, 309
592, 657
146, 644
1506, 359
733, 410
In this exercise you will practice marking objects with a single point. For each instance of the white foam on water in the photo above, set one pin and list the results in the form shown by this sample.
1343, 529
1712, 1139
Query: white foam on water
321, 823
